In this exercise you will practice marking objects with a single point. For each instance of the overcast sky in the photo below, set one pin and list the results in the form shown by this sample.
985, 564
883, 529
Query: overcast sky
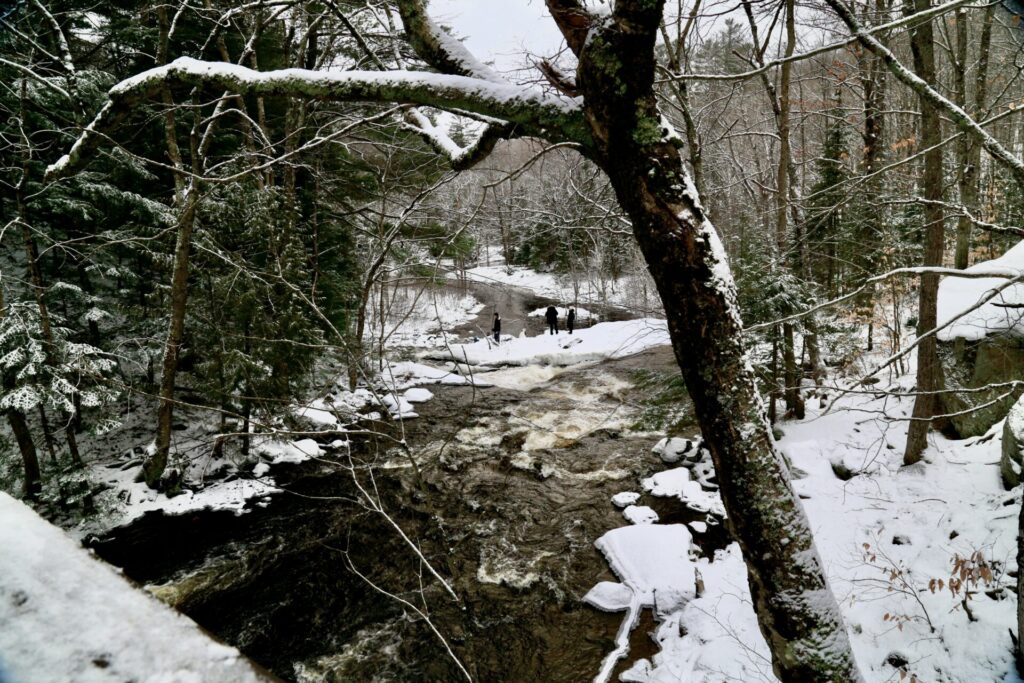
500, 30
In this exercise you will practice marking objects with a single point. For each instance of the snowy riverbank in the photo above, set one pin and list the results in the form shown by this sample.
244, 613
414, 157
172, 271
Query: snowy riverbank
65, 616
893, 540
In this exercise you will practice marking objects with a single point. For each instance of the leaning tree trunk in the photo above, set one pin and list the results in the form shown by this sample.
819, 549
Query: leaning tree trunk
929, 372
796, 611
618, 125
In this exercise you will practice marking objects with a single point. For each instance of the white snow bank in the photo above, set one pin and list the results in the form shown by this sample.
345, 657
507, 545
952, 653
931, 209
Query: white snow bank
65, 616
600, 342
1002, 313
130, 499
416, 316
711, 639
126, 499
651, 559
407, 374
563, 312
628, 291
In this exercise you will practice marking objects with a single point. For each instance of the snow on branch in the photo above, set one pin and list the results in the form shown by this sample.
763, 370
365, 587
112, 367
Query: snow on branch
529, 109
439, 48
976, 272
915, 18
959, 117
459, 157
37, 77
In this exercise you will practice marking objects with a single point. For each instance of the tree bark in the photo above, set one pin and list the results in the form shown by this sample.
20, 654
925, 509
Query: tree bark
929, 372
796, 611
155, 464
618, 125
969, 149
791, 373
785, 182
33, 479
872, 216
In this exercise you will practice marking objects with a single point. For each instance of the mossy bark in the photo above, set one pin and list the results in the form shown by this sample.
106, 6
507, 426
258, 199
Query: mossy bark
797, 613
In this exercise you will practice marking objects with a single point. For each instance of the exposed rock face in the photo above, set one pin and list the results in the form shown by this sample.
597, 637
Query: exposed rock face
1013, 445
972, 364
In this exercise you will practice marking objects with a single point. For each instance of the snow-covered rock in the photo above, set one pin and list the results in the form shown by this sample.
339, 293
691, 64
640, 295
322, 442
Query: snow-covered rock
624, 498
677, 483
650, 558
1000, 314
609, 596
417, 395
640, 514
1013, 445
672, 450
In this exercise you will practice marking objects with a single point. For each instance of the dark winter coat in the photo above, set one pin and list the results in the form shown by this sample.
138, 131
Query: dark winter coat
496, 329
572, 316
551, 314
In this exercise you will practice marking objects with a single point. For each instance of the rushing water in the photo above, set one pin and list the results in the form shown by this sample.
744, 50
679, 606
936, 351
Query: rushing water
503, 490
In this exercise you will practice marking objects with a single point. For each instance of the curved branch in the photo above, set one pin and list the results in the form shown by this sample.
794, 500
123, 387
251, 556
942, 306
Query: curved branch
917, 17
959, 117
534, 112
438, 48
460, 158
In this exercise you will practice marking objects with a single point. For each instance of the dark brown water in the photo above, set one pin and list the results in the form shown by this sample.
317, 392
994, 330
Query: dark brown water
510, 489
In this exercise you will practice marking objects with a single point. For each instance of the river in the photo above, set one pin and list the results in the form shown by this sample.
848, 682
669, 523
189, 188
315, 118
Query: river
503, 490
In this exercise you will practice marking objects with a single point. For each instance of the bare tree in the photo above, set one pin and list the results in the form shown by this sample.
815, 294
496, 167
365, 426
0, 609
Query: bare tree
617, 124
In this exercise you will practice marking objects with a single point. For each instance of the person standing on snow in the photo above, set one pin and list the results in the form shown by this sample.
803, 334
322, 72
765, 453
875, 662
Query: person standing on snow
496, 327
570, 319
552, 318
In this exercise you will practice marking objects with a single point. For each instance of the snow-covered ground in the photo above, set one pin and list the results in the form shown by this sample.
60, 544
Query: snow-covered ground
600, 342
629, 291
887, 536
65, 616
123, 499
416, 316
582, 314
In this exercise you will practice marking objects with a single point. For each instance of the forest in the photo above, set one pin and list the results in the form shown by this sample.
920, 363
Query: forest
508, 340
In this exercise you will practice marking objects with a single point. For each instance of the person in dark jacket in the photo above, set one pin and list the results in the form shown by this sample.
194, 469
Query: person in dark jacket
570, 319
552, 318
496, 327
